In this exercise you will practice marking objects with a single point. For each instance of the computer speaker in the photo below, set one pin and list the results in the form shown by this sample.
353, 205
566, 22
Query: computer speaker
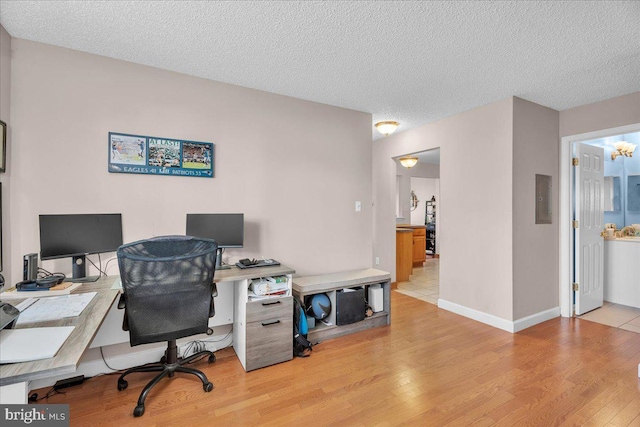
30, 267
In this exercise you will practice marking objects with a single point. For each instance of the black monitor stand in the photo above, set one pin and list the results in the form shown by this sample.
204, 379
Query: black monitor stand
79, 271
219, 265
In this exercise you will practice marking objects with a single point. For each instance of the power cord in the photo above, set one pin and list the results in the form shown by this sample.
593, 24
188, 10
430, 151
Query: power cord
115, 371
201, 345
107, 365
33, 397
43, 274
106, 266
101, 273
195, 347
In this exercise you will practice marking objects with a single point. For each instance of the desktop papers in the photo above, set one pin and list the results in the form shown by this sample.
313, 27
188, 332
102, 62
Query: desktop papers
23, 345
53, 308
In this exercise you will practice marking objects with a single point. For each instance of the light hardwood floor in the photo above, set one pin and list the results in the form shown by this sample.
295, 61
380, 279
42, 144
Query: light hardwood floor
430, 367
424, 284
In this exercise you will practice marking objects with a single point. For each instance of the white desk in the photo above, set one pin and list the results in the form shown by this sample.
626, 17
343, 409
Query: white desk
101, 325
111, 332
15, 376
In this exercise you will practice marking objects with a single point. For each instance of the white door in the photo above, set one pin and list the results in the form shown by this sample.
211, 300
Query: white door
589, 211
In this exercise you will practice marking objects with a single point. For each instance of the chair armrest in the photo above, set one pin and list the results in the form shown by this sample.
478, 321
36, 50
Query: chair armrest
121, 303
212, 307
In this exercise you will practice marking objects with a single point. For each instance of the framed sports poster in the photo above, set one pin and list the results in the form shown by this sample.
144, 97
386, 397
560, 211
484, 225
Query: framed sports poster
159, 156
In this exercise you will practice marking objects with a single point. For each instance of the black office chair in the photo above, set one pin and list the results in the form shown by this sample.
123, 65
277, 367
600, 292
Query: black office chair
168, 293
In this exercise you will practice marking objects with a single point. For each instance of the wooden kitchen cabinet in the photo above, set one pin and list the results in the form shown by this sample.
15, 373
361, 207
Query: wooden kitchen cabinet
404, 254
419, 246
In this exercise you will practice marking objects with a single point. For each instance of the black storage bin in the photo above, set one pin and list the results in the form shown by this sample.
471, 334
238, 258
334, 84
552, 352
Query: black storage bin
350, 306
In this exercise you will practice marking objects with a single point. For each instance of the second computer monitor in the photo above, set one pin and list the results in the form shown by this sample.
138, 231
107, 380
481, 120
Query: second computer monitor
226, 229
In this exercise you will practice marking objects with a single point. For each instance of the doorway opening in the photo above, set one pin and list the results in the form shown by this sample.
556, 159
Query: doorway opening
566, 217
417, 226
618, 305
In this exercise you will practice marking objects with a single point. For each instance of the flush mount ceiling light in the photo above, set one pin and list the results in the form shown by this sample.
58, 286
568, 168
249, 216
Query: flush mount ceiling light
408, 161
387, 128
623, 148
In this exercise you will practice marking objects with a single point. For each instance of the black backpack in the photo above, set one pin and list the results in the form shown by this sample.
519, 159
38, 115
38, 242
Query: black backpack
301, 346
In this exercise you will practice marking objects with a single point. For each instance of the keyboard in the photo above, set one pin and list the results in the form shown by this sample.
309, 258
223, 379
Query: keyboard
261, 263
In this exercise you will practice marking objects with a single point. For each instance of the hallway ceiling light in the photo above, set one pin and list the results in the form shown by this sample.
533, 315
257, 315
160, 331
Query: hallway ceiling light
408, 161
623, 148
387, 127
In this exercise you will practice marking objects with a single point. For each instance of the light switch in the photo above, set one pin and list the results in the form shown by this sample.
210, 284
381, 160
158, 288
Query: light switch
358, 206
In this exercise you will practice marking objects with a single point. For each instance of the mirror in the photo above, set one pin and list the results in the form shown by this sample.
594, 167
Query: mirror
414, 201
612, 194
633, 193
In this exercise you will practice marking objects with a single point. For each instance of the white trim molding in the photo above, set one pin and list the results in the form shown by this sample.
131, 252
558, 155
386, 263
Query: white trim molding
498, 322
534, 319
565, 217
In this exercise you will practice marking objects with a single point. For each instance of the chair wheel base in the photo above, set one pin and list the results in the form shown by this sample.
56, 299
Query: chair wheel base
138, 411
122, 385
207, 387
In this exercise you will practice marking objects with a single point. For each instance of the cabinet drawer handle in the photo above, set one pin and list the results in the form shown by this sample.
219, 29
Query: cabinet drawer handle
271, 303
275, 322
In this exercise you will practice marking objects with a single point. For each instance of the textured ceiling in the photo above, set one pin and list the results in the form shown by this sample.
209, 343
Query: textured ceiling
414, 62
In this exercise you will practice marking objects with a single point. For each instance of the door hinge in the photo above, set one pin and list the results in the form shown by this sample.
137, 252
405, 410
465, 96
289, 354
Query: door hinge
574, 223
575, 161
575, 287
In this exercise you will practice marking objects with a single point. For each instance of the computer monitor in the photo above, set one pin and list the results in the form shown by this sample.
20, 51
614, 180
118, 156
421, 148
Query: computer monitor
226, 229
77, 235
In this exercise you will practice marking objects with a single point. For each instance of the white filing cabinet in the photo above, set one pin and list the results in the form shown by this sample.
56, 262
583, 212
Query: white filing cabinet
263, 329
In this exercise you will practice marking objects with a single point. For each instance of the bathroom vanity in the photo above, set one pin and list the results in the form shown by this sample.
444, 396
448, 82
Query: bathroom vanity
621, 271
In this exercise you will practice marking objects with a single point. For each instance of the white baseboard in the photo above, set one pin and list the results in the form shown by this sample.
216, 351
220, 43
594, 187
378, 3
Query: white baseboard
536, 318
498, 322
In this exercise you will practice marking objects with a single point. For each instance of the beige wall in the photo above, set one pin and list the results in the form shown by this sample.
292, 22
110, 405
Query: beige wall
5, 74
5, 116
620, 111
475, 208
535, 246
496, 261
276, 159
